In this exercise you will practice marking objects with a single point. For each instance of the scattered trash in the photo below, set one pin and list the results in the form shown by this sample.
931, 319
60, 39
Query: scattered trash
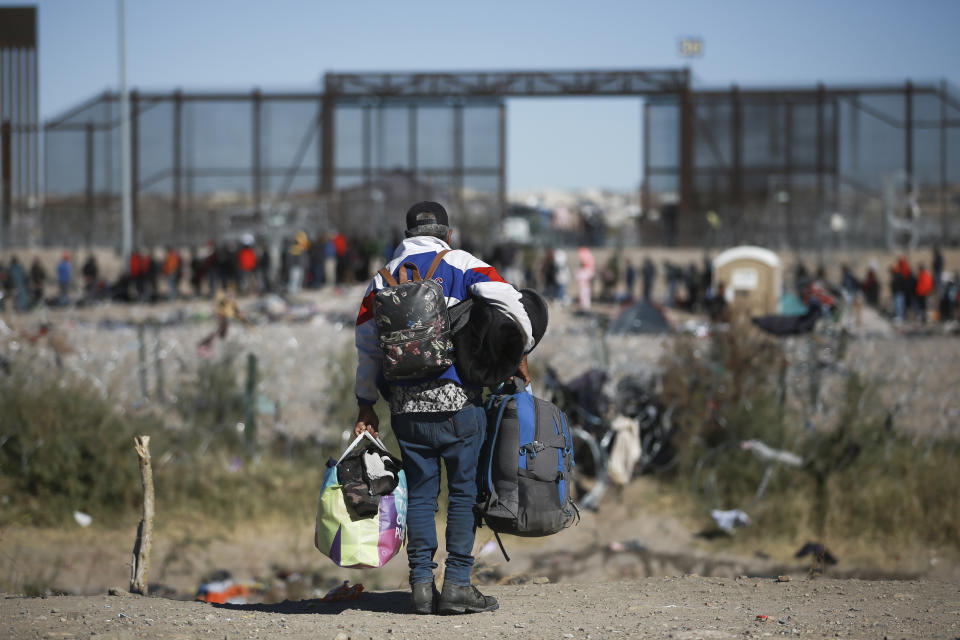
728, 520
83, 519
762, 618
345, 591
490, 547
220, 588
783, 578
627, 545
768, 453
821, 556
626, 449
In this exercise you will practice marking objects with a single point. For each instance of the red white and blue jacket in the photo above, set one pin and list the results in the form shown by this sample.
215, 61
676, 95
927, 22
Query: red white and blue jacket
460, 274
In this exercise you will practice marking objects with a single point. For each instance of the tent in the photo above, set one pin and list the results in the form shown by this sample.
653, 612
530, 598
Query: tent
642, 317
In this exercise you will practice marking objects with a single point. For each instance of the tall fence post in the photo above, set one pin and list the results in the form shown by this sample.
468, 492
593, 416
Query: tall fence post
178, 165
256, 101
135, 167
142, 358
250, 420
6, 197
158, 364
908, 134
944, 218
90, 182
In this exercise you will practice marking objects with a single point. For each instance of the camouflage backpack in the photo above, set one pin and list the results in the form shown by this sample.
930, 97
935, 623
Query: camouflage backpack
413, 324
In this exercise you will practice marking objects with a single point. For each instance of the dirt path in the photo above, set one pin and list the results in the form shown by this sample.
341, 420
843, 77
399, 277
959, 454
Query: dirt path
684, 607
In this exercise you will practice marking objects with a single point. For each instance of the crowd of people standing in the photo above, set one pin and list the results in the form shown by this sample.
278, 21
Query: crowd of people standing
250, 266
246, 267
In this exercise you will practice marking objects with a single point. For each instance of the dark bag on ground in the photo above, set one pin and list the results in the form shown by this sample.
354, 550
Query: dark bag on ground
525, 487
413, 324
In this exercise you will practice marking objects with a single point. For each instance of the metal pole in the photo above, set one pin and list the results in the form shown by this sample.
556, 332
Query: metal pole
502, 187
127, 199
158, 363
3, 85
367, 144
458, 154
327, 132
6, 195
36, 123
412, 128
686, 154
736, 136
256, 101
788, 177
908, 128
88, 232
645, 187
142, 360
178, 162
250, 396
18, 123
944, 219
136, 231
835, 154
819, 161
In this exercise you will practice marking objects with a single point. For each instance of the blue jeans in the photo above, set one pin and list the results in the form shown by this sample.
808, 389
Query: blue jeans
424, 440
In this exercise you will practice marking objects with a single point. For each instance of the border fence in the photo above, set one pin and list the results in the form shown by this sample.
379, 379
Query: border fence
218, 165
841, 166
860, 166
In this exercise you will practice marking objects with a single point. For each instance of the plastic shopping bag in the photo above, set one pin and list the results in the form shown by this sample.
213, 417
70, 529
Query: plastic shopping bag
362, 538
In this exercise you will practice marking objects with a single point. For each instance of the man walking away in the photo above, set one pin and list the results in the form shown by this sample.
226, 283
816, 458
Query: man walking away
438, 417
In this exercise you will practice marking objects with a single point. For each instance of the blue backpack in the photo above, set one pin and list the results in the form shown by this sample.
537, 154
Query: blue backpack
524, 484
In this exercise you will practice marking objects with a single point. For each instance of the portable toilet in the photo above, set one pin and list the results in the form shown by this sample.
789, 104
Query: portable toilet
751, 277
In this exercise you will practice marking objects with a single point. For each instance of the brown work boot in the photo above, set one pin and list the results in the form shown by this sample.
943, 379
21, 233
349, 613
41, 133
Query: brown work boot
464, 599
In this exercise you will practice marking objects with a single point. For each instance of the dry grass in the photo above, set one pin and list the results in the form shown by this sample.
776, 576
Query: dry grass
863, 481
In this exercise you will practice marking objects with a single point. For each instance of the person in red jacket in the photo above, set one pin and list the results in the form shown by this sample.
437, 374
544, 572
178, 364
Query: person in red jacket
172, 272
923, 290
138, 272
247, 263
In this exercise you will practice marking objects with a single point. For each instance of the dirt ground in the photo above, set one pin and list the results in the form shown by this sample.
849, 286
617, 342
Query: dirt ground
609, 577
687, 607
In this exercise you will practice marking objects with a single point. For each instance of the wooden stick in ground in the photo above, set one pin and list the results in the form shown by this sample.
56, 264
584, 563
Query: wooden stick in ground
140, 569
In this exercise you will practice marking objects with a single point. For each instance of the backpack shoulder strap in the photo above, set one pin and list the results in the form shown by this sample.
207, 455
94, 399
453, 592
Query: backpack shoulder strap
403, 272
387, 277
435, 263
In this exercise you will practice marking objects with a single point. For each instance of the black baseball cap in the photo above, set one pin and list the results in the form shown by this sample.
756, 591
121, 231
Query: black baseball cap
427, 218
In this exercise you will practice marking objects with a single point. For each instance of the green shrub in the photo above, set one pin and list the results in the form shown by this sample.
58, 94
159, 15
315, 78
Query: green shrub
861, 477
64, 446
